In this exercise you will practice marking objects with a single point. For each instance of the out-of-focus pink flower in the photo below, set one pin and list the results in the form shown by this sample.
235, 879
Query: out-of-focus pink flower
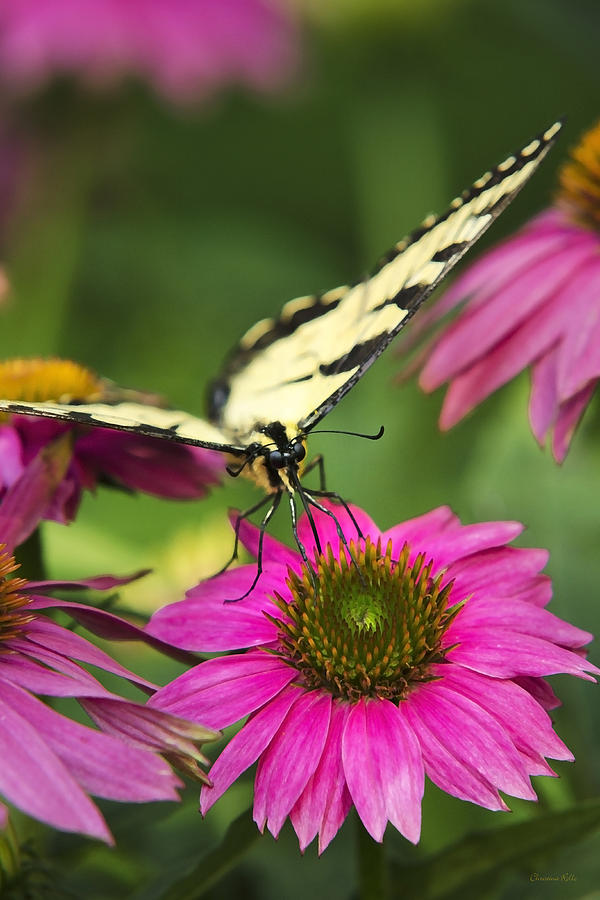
425, 655
185, 48
534, 301
138, 463
51, 764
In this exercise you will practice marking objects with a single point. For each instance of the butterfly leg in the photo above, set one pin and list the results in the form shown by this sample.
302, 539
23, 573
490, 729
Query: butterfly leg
239, 519
317, 461
333, 495
311, 500
261, 537
299, 544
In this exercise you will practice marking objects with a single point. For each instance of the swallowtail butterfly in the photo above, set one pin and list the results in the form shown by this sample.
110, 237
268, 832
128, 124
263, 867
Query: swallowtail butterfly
287, 373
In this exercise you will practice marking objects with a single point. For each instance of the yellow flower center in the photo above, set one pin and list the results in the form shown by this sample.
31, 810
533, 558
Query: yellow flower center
580, 181
12, 600
56, 380
371, 629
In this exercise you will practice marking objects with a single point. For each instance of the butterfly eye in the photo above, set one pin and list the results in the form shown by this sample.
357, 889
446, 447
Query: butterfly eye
276, 459
299, 451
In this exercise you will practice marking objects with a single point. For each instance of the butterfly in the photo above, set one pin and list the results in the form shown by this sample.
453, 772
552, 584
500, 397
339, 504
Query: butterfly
288, 373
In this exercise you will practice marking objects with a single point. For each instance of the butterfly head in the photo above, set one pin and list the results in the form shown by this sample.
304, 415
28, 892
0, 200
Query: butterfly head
275, 453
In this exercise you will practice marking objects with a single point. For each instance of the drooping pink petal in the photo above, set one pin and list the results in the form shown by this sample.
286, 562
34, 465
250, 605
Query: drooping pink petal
203, 621
540, 690
221, 691
568, 418
578, 354
37, 677
291, 759
27, 499
451, 772
472, 337
503, 653
387, 783
35, 780
101, 764
528, 725
247, 745
473, 737
325, 801
518, 616
543, 400
49, 635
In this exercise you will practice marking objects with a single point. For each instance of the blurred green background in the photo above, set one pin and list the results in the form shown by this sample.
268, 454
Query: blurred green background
147, 237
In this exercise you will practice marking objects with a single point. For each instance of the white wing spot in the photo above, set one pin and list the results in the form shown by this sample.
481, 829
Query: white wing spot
530, 148
507, 163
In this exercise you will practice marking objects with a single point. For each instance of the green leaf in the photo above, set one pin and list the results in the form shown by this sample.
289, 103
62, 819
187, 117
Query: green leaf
467, 867
241, 835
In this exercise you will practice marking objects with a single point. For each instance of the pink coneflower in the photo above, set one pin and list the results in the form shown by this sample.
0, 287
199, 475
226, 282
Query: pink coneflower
426, 655
51, 764
185, 48
100, 455
534, 301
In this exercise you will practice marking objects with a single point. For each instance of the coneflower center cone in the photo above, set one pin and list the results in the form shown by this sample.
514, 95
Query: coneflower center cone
369, 627
12, 601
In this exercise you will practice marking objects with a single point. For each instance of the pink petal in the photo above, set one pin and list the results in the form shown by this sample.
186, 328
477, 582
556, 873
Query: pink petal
540, 690
473, 737
325, 801
543, 402
26, 501
470, 539
36, 781
579, 355
203, 621
19, 669
448, 771
527, 724
503, 653
247, 745
516, 614
383, 767
417, 531
496, 267
568, 419
101, 764
221, 691
475, 333
49, 635
506, 571
290, 759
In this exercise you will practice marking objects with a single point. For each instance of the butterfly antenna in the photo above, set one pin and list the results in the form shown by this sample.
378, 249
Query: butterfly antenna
368, 437
259, 555
238, 522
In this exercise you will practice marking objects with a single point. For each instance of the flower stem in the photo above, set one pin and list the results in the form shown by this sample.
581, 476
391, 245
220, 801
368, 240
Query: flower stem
372, 872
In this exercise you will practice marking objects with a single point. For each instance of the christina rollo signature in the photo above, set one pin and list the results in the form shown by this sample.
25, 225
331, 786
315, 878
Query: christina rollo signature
545, 876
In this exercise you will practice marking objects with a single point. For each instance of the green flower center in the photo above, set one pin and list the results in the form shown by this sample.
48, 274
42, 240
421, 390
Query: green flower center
372, 627
12, 616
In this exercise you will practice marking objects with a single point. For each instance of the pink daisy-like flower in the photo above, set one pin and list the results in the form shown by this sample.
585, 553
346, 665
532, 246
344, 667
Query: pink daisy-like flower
426, 655
100, 455
51, 764
534, 301
185, 48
